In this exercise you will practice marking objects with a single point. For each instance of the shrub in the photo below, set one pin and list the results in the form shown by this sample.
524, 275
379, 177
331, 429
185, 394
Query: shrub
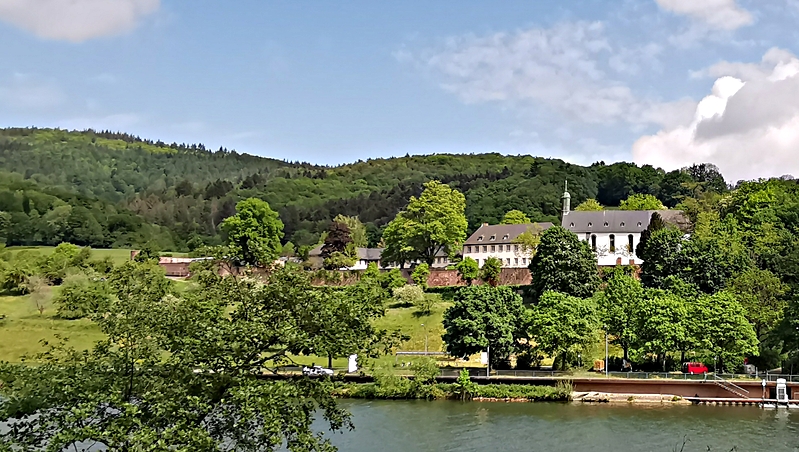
420, 275
468, 270
409, 295
80, 297
491, 270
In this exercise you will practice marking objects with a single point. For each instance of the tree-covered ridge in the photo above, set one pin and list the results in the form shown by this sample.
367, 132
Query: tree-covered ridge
190, 190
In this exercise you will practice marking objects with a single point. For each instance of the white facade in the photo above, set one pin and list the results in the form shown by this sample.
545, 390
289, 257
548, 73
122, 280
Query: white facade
498, 241
511, 255
613, 248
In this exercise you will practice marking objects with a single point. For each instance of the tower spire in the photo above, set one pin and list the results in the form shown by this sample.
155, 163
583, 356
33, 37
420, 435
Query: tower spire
566, 199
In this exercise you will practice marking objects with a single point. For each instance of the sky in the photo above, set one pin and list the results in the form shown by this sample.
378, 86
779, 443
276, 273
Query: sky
662, 82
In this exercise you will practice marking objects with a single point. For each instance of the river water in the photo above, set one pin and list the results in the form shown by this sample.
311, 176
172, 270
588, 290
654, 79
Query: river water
497, 426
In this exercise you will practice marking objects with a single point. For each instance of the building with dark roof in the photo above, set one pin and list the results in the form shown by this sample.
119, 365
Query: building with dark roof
614, 234
499, 241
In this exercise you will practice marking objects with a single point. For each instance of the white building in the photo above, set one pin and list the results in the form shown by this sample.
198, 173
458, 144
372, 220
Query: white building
499, 241
614, 234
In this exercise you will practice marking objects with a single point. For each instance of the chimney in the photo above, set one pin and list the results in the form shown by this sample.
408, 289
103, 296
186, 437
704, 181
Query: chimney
485, 224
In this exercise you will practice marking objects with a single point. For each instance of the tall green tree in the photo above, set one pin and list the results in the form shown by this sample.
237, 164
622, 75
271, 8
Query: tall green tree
642, 202
725, 331
431, 223
561, 323
180, 372
357, 229
492, 268
661, 256
761, 294
563, 264
515, 217
254, 232
468, 269
664, 325
619, 308
589, 205
482, 317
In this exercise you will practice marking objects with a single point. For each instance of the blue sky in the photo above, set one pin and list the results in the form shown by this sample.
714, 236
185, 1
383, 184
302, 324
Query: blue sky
665, 82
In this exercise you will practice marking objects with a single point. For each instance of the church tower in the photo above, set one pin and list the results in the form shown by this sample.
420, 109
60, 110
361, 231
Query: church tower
567, 199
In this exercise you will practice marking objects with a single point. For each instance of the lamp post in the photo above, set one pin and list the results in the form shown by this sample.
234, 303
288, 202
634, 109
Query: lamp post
606, 351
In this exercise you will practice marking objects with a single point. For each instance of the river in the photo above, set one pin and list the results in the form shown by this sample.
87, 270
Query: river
495, 426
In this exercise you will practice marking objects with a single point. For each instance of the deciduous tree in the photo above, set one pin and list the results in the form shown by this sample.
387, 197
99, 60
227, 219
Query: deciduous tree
642, 202
563, 264
484, 316
468, 269
589, 205
492, 267
561, 323
431, 223
619, 308
515, 217
254, 232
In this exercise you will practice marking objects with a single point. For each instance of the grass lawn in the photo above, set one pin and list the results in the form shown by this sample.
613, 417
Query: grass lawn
118, 256
22, 329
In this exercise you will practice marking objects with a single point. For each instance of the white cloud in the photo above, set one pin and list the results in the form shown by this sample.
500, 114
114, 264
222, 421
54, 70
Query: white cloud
748, 125
560, 68
75, 20
30, 92
716, 14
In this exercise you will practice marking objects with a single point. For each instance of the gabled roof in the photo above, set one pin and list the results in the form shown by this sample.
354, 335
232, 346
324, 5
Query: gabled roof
619, 221
503, 233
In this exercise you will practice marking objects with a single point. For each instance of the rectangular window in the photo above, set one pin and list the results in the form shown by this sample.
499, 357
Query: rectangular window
515, 247
524, 261
516, 261
468, 249
507, 247
507, 261
485, 249
493, 248
612, 243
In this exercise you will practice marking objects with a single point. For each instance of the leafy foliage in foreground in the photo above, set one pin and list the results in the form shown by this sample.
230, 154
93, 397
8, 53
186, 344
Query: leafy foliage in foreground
180, 371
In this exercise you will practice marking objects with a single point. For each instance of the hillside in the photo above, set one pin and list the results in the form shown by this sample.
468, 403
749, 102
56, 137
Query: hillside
176, 195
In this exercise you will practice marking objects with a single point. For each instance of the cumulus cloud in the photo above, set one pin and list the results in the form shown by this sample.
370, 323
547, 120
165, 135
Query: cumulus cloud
561, 68
75, 20
748, 125
717, 14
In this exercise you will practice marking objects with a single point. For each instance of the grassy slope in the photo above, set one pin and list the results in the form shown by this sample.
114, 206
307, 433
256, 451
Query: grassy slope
23, 329
118, 256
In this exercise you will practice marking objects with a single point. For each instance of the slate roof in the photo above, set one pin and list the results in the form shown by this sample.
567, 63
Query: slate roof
369, 254
619, 221
502, 233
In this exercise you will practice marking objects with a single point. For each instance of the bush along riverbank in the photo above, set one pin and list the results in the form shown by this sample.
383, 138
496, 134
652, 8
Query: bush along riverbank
423, 386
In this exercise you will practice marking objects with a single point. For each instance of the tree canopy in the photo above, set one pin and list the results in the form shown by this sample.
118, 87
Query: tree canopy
564, 264
515, 217
254, 232
431, 223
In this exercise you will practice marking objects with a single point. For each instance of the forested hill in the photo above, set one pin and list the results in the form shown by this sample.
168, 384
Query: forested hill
176, 195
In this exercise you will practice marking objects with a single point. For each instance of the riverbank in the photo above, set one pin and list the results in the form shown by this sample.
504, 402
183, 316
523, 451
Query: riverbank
406, 389
619, 398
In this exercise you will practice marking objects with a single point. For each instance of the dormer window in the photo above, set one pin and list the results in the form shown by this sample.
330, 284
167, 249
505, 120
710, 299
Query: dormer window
606, 224
590, 224
480, 239
493, 237
505, 237
622, 224
571, 225
639, 224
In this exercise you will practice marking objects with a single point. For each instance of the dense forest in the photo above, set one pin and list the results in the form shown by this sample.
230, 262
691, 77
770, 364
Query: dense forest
112, 189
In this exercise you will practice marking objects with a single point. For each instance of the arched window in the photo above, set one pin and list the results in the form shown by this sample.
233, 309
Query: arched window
606, 224
612, 243
630, 243
593, 242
